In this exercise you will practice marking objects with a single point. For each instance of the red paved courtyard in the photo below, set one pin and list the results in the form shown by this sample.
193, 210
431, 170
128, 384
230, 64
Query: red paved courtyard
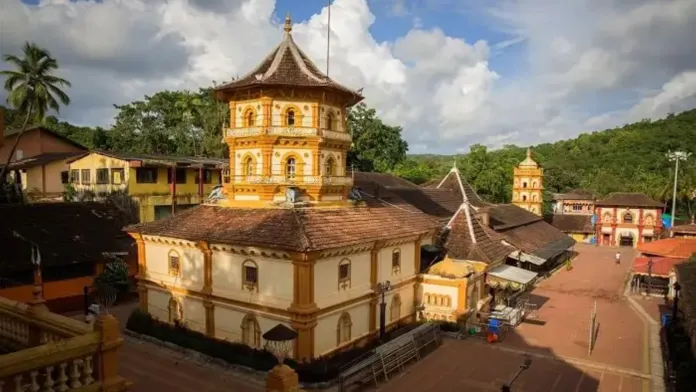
477, 367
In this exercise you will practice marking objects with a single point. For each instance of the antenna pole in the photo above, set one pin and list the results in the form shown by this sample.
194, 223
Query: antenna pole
328, 40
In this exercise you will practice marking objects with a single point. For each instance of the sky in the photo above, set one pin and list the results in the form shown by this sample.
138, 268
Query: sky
451, 73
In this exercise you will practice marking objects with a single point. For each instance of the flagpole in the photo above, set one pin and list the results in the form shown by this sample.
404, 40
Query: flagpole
328, 39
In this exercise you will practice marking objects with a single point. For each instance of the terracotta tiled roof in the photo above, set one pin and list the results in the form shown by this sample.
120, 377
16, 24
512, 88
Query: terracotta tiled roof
662, 266
619, 199
291, 229
538, 238
575, 194
505, 216
66, 233
571, 223
685, 229
455, 182
676, 247
470, 239
288, 65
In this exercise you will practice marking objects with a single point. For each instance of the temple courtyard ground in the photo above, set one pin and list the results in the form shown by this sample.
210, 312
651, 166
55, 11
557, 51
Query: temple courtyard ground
557, 340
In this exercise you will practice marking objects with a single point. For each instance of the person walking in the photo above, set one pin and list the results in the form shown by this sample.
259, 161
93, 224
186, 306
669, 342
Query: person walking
618, 258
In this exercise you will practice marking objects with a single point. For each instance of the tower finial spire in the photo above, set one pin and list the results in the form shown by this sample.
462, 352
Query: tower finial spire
529, 152
288, 23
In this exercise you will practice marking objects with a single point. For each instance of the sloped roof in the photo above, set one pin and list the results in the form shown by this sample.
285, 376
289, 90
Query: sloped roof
537, 238
685, 229
470, 239
43, 159
66, 233
10, 132
627, 199
662, 266
163, 160
677, 247
571, 223
290, 229
455, 182
288, 65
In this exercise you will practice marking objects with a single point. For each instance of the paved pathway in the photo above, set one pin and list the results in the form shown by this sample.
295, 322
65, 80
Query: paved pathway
478, 367
152, 368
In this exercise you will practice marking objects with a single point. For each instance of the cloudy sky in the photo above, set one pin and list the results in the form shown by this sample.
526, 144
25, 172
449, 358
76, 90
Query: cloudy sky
450, 72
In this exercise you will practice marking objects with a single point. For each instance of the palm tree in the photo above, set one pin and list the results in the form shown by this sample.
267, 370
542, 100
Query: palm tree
33, 90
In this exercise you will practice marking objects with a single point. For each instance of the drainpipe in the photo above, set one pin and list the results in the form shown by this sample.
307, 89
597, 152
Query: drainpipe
200, 182
173, 188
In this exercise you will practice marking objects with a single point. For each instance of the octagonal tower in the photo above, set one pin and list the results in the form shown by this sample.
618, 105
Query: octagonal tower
287, 133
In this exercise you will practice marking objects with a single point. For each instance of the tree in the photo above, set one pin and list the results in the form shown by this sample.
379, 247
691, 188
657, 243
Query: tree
376, 146
33, 89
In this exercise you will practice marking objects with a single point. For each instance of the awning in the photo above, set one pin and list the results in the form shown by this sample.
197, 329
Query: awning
507, 276
525, 257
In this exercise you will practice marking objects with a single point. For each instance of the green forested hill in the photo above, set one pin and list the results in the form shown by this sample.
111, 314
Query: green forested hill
629, 159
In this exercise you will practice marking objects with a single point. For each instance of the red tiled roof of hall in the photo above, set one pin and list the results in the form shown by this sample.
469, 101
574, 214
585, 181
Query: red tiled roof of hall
627, 199
685, 229
670, 247
291, 229
662, 266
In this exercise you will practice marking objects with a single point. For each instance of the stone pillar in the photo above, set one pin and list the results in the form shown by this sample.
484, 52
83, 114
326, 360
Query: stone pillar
107, 356
282, 378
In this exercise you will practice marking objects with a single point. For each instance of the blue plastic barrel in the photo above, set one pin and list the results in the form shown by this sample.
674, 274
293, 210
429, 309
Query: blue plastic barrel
666, 319
494, 326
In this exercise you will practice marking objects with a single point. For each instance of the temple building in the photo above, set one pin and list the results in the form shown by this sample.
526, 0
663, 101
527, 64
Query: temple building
573, 214
288, 240
293, 238
627, 219
527, 189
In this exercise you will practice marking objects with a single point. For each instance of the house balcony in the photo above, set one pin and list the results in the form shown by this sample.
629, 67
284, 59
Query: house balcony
44, 351
288, 132
295, 180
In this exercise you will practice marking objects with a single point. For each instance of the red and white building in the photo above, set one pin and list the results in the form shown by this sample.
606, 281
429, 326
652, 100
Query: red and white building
627, 219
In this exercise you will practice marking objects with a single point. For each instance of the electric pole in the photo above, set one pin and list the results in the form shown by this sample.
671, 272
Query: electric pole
676, 156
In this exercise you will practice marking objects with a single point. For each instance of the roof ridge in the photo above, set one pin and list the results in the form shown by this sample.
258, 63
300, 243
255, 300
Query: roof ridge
304, 239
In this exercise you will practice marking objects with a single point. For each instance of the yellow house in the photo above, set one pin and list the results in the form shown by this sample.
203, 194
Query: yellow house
148, 179
44, 176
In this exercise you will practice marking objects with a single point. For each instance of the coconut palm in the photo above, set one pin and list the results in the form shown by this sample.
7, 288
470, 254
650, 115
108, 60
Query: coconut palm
33, 89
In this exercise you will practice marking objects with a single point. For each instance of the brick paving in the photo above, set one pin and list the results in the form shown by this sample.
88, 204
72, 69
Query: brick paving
565, 303
477, 367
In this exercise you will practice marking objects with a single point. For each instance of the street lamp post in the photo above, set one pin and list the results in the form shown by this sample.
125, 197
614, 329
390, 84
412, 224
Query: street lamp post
650, 267
279, 341
37, 302
676, 156
382, 289
524, 366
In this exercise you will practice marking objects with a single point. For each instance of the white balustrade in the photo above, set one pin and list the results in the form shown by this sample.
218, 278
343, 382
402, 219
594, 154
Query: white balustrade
297, 180
288, 131
68, 375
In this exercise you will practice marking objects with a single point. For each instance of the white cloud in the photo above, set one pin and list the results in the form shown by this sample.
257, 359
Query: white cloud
586, 64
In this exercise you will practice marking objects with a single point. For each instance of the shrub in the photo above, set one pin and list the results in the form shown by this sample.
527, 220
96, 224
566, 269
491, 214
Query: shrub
318, 370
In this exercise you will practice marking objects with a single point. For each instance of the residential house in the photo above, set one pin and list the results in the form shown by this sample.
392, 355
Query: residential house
74, 241
685, 231
573, 214
40, 162
148, 179
657, 261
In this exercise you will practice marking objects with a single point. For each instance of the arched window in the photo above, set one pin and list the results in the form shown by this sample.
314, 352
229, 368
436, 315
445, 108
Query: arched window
176, 313
606, 218
524, 197
330, 121
174, 263
534, 197
251, 332
534, 184
396, 261
628, 217
344, 274
249, 118
343, 329
533, 209
524, 184
395, 308
250, 275
248, 167
290, 118
329, 167
427, 299
290, 168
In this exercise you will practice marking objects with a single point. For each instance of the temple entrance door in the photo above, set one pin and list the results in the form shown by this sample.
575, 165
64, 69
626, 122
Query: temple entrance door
606, 239
626, 239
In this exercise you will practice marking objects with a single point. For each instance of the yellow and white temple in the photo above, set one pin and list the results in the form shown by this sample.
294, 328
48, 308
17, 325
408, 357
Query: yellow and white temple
289, 242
